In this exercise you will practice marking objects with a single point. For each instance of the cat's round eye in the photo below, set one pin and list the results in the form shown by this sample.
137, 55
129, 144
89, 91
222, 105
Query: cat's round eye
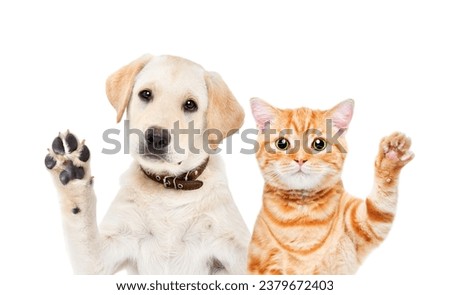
145, 95
319, 144
282, 144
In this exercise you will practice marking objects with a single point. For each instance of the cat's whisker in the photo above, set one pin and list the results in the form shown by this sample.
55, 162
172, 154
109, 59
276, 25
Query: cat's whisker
271, 176
306, 212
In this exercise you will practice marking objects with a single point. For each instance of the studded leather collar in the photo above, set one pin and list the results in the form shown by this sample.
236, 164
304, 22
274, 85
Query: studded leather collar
187, 181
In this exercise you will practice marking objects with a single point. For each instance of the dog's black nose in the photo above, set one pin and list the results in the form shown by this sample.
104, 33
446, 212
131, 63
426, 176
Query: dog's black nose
157, 139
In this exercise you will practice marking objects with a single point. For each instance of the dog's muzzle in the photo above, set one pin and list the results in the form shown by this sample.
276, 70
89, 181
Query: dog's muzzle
157, 140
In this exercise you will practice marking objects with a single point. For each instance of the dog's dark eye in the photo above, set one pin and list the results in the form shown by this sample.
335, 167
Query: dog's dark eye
282, 144
190, 106
319, 144
146, 95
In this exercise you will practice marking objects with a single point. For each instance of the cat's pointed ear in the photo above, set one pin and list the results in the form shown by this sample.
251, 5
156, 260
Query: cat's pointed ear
342, 114
262, 112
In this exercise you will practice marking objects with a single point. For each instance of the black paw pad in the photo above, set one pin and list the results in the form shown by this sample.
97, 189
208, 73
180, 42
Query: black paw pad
79, 172
64, 177
58, 146
72, 142
85, 154
71, 172
50, 162
76, 210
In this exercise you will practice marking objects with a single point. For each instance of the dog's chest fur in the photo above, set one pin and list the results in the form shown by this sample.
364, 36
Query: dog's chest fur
169, 234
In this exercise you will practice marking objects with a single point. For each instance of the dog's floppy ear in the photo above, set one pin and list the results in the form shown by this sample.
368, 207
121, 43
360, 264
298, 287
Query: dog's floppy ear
224, 113
120, 84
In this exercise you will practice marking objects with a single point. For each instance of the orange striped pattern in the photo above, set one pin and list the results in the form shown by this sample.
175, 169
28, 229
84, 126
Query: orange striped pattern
310, 224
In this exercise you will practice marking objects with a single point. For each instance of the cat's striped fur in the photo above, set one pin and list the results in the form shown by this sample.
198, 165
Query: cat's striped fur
308, 223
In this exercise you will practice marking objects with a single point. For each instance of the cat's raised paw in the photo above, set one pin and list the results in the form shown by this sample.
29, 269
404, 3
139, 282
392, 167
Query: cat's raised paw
68, 158
395, 151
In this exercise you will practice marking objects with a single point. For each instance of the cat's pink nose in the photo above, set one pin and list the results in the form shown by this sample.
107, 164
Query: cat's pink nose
300, 162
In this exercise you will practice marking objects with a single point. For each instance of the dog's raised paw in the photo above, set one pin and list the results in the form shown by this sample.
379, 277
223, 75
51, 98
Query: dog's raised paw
68, 158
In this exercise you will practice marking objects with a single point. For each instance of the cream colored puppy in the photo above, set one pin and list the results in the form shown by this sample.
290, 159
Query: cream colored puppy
174, 213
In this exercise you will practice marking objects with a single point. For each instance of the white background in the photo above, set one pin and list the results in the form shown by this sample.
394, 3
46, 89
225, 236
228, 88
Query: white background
392, 57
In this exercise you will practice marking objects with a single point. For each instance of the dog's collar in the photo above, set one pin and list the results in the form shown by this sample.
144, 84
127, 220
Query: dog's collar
186, 181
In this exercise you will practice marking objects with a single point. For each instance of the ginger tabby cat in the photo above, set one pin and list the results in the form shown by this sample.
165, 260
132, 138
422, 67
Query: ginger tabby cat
308, 223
